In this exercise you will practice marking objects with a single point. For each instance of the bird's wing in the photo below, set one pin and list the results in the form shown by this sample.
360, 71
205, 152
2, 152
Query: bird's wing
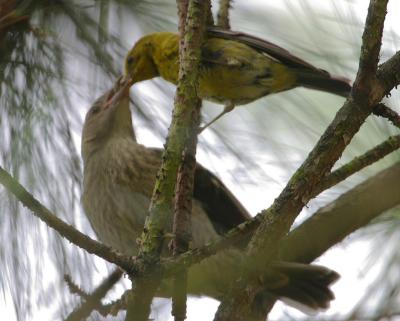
308, 75
217, 52
221, 206
267, 47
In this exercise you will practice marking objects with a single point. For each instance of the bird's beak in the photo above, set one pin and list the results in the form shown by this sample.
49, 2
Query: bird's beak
118, 93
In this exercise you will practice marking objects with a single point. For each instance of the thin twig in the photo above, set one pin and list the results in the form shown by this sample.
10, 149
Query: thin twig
358, 163
388, 73
92, 301
384, 111
74, 288
114, 307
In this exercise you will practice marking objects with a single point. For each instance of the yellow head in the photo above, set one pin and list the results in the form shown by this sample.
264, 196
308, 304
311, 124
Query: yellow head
139, 63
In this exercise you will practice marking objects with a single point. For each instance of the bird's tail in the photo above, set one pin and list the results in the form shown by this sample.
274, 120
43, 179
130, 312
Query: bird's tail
324, 81
306, 284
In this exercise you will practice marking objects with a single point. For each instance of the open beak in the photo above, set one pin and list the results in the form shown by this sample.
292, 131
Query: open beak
119, 92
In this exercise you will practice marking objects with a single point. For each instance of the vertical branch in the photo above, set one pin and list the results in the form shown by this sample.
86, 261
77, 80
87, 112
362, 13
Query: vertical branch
371, 45
186, 103
181, 135
140, 298
186, 99
182, 218
182, 14
181, 225
223, 14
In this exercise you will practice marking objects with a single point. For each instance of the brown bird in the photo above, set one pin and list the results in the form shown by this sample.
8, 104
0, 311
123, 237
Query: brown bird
119, 175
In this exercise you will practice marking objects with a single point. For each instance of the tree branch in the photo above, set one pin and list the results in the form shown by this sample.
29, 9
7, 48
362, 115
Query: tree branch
358, 163
366, 93
330, 146
186, 170
388, 73
181, 225
160, 208
242, 230
349, 212
335, 221
180, 135
65, 230
370, 48
238, 233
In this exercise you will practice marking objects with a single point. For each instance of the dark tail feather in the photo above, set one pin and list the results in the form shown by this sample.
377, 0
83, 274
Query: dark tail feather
325, 82
307, 284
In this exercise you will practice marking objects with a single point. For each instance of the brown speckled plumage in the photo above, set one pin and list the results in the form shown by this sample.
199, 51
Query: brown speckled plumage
118, 183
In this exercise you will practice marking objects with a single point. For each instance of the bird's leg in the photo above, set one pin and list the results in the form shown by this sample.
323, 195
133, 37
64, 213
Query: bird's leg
229, 107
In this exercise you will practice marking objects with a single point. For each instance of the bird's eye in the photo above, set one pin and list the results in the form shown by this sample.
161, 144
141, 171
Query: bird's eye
130, 60
95, 110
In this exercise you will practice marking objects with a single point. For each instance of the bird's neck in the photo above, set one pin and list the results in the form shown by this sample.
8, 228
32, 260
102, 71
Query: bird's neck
116, 135
102, 152
165, 54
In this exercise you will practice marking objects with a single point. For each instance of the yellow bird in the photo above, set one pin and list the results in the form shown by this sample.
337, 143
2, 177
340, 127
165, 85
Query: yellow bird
235, 68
